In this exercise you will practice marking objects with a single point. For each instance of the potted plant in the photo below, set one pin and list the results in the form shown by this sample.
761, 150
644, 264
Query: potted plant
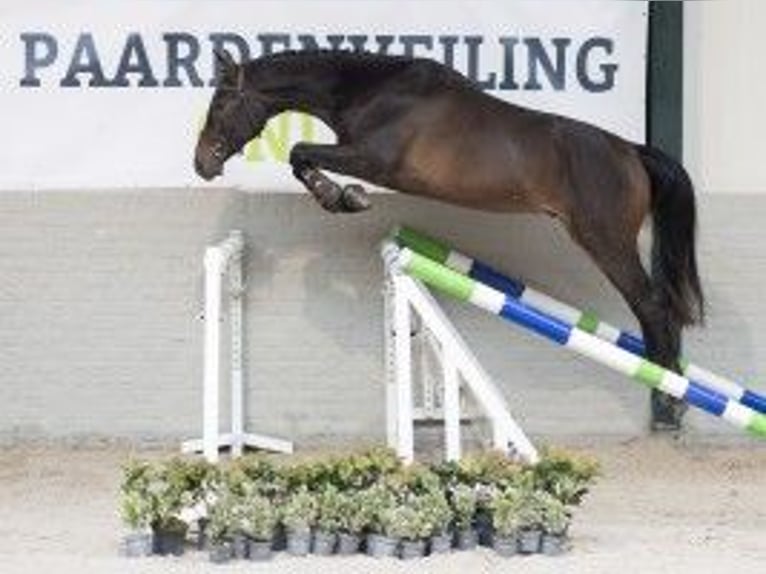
437, 514
260, 523
135, 509
530, 515
298, 517
564, 475
351, 522
464, 510
506, 521
221, 525
376, 505
408, 525
555, 523
167, 495
327, 521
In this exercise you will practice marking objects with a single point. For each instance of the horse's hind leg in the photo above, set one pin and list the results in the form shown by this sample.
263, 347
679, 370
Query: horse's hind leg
618, 258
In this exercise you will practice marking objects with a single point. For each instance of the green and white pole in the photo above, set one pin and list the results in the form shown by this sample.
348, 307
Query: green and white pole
584, 320
469, 290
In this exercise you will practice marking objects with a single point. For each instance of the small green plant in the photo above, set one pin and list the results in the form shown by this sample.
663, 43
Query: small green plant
565, 475
329, 509
171, 487
351, 516
224, 517
414, 479
464, 506
135, 501
260, 517
435, 509
375, 504
506, 507
300, 511
530, 509
555, 516
406, 522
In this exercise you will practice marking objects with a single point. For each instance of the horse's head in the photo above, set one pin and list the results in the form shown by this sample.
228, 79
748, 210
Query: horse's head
236, 115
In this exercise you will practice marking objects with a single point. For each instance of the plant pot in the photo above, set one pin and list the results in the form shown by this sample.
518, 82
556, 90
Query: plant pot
260, 550
201, 542
529, 541
379, 546
136, 545
168, 542
484, 528
411, 549
280, 539
505, 546
467, 539
441, 543
348, 544
239, 547
553, 544
324, 543
220, 552
299, 543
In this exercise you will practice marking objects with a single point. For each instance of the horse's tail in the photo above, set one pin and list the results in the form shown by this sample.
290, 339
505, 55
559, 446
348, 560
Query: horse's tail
674, 262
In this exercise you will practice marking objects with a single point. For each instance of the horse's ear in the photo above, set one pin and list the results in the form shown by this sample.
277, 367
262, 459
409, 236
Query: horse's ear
226, 64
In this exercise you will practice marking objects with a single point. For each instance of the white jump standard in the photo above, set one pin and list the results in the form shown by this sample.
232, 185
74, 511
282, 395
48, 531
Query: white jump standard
406, 297
226, 259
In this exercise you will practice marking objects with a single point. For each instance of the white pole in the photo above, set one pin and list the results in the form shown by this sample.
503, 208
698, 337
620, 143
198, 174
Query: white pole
451, 408
237, 388
404, 411
211, 382
389, 340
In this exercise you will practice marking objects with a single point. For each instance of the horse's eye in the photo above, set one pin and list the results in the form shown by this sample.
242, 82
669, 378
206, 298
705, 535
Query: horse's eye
219, 149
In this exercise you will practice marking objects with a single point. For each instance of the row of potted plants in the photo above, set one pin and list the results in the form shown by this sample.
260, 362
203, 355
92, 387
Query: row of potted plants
367, 501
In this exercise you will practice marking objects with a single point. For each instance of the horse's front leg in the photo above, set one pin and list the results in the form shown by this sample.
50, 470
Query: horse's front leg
308, 159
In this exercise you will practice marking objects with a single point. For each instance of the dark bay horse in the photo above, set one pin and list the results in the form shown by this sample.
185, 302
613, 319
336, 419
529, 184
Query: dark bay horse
420, 128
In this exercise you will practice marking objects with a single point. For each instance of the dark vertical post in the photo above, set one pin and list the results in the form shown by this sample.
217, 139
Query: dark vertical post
665, 77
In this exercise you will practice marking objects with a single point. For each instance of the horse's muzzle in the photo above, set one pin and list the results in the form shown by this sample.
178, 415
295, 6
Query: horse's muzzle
207, 165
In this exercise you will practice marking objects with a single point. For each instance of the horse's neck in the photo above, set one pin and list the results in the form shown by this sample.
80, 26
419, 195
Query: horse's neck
296, 86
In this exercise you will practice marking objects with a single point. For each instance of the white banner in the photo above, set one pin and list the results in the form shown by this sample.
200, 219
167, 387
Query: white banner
109, 95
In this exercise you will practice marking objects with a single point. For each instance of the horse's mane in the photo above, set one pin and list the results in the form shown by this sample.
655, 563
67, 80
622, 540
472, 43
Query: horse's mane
349, 59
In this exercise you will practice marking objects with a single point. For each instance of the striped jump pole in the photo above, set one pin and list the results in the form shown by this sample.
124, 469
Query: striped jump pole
494, 301
585, 321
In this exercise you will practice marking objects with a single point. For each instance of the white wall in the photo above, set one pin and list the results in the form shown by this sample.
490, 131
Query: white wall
725, 95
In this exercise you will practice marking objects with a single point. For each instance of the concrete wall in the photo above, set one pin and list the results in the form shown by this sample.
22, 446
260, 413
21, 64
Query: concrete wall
100, 295
724, 95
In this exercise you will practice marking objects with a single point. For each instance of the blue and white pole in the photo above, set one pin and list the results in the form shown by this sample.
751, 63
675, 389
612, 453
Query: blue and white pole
584, 320
510, 308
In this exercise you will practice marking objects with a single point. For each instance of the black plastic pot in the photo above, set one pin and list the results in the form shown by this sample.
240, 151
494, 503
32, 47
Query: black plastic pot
260, 550
529, 541
411, 549
348, 544
441, 543
379, 546
484, 528
553, 544
324, 543
220, 552
136, 544
466, 539
239, 547
168, 542
299, 542
505, 546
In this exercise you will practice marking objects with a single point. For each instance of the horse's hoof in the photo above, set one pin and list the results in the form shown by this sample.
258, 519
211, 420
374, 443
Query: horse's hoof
667, 412
355, 198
